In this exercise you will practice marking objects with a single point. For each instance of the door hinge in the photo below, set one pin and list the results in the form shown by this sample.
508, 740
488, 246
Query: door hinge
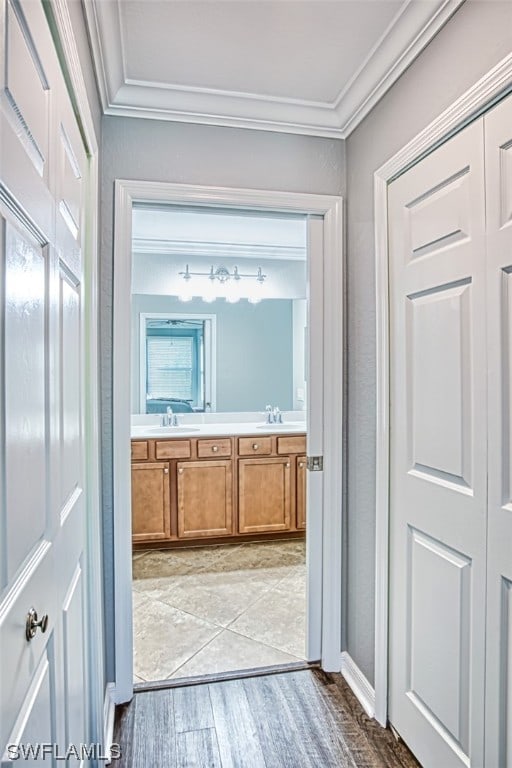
315, 463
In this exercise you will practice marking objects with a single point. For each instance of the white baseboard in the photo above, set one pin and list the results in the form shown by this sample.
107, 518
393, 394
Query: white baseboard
358, 683
109, 711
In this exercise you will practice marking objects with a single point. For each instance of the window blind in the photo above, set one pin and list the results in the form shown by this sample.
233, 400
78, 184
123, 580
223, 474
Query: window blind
170, 367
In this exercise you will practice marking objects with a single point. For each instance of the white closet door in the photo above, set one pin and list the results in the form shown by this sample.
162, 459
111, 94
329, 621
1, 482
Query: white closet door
43, 679
498, 168
438, 492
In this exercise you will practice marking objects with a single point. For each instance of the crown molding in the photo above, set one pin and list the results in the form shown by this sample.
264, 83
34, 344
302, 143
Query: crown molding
409, 32
202, 248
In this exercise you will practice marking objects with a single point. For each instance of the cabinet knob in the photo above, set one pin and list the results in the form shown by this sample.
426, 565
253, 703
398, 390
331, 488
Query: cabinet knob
301, 464
255, 446
180, 471
33, 623
215, 448
287, 465
166, 470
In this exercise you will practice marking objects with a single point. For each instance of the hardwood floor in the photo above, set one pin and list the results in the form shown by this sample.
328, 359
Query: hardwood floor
304, 719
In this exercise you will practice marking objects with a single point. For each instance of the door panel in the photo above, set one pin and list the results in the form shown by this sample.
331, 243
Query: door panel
498, 159
439, 430
26, 394
205, 498
264, 494
438, 453
151, 506
43, 687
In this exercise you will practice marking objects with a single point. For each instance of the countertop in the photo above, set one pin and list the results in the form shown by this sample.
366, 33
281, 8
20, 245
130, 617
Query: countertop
147, 431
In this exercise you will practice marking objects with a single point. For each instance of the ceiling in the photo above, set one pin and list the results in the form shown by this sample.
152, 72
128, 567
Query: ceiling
313, 67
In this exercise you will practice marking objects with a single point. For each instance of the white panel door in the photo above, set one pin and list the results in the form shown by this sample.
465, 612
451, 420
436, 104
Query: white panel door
43, 688
438, 492
498, 171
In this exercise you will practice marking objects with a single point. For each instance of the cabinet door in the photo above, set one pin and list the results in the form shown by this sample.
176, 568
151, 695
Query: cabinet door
264, 494
205, 499
301, 491
151, 510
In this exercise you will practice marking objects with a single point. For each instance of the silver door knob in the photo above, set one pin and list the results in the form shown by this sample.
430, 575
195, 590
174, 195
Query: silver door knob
33, 623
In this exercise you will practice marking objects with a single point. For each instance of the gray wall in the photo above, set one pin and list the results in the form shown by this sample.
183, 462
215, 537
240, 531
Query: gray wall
471, 43
254, 349
195, 154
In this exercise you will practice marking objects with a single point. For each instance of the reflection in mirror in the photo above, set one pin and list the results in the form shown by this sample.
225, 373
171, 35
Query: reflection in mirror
175, 363
203, 343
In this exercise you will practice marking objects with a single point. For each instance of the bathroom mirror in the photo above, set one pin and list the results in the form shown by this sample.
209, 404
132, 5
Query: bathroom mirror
218, 311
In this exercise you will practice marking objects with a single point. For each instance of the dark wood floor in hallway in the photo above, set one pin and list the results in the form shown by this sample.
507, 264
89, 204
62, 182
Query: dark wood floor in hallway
302, 719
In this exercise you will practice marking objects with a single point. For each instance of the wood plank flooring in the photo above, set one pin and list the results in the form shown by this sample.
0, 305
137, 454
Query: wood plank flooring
302, 719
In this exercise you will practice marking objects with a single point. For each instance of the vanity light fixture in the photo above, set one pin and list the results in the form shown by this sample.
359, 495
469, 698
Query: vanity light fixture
222, 274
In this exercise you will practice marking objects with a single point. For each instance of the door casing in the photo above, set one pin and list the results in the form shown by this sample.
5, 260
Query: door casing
481, 97
325, 236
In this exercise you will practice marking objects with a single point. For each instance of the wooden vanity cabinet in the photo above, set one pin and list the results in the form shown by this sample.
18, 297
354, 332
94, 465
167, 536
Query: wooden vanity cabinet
264, 494
188, 490
151, 508
301, 494
205, 499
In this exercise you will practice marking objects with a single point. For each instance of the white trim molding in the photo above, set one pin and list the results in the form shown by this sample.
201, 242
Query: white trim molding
328, 316
412, 28
359, 684
476, 100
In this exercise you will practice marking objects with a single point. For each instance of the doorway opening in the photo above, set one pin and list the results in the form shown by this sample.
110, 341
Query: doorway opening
219, 319
324, 403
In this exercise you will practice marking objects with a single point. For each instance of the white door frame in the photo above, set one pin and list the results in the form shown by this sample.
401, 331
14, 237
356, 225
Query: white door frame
476, 100
328, 234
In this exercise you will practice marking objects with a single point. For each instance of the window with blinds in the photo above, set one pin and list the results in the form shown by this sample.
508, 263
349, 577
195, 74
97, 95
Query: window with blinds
172, 367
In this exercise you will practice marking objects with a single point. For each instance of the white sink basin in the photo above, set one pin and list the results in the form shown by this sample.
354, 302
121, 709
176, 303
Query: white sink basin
293, 426
168, 430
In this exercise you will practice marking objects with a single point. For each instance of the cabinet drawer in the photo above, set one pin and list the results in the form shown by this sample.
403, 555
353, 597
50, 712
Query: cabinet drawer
173, 449
212, 448
254, 446
139, 450
291, 444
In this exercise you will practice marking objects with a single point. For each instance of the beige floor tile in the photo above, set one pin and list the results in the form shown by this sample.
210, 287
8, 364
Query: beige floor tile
175, 562
215, 597
267, 555
278, 619
164, 637
184, 598
229, 652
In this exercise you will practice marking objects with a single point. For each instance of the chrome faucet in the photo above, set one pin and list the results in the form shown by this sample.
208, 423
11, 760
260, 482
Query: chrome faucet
273, 415
169, 419
278, 416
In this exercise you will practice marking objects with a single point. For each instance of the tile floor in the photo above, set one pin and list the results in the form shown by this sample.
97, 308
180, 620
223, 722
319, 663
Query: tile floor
217, 609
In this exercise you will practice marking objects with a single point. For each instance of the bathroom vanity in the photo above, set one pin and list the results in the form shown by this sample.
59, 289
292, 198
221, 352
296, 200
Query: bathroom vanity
219, 483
